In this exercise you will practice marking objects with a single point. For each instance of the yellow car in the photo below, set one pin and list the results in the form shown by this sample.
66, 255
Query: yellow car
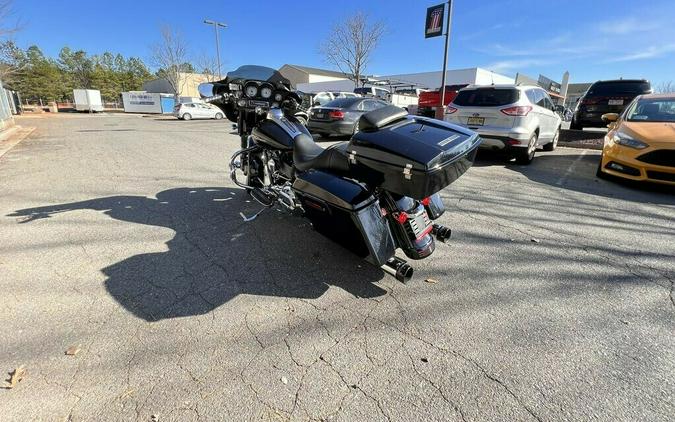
640, 143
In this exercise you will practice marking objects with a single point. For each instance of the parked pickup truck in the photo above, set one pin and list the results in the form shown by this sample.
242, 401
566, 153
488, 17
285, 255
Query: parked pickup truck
428, 101
406, 98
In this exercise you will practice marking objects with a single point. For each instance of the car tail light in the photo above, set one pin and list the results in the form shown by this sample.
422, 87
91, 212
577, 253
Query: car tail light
517, 110
426, 201
512, 142
336, 115
450, 110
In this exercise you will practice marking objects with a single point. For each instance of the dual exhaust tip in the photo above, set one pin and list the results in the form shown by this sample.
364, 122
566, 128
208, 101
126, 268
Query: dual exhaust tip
398, 268
403, 271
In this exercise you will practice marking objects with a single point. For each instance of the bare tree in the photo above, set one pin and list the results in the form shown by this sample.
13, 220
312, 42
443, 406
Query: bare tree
208, 66
350, 46
6, 14
170, 56
665, 87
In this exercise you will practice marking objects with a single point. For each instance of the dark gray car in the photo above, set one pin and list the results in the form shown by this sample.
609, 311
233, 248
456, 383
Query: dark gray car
341, 116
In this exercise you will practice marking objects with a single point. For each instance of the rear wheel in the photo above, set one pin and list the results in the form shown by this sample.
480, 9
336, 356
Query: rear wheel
219, 116
187, 116
554, 143
527, 154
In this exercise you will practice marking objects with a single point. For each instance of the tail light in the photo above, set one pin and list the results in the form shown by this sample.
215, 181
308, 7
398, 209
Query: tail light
450, 110
336, 114
426, 201
517, 110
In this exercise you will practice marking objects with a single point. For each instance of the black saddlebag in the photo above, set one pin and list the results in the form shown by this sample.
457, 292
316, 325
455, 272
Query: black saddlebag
345, 212
411, 156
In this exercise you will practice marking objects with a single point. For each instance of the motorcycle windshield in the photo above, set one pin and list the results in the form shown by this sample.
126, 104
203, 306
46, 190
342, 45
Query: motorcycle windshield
257, 73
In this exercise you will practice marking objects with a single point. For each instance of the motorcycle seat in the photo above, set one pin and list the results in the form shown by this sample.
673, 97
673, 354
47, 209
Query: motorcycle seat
307, 154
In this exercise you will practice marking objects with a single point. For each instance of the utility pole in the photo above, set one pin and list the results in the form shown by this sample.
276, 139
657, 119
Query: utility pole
215, 26
445, 60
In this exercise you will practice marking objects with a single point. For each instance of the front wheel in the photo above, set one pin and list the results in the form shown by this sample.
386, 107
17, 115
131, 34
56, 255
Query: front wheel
526, 156
219, 116
554, 143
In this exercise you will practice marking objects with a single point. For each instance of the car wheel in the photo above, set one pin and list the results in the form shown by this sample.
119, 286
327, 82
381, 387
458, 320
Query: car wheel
187, 116
554, 143
527, 154
219, 116
576, 125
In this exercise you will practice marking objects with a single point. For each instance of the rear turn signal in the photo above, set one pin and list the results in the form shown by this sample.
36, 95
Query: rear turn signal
401, 217
336, 115
517, 110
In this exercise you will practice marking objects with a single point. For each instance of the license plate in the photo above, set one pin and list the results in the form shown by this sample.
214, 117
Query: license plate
615, 102
476, 121
420, 224
320, 115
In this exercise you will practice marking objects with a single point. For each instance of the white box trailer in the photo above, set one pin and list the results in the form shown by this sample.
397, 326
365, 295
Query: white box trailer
87, 100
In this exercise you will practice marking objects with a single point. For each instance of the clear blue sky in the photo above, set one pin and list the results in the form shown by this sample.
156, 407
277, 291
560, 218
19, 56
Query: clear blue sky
593, 39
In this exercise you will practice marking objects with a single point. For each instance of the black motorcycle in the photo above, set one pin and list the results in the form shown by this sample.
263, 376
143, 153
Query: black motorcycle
372, 194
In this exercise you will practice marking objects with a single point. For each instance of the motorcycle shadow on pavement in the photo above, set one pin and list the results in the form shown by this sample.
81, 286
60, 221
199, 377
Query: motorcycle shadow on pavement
216, 256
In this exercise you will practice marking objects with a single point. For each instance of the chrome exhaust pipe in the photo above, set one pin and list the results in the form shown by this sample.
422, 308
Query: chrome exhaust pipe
398, 268
442, 233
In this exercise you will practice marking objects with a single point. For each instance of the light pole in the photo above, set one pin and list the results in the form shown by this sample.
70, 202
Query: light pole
215, 26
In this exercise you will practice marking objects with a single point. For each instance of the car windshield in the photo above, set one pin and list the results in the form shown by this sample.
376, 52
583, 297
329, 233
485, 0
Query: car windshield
619, 87
363, 91
486, 97
652, 110
342, 102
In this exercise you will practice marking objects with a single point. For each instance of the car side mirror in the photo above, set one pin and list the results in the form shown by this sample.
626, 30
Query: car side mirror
610, 117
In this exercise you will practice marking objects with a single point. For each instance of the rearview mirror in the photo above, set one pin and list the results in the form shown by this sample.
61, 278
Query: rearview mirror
205, 90
610, 117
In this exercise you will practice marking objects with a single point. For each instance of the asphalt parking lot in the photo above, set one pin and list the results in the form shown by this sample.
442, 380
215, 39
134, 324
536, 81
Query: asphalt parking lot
122, 235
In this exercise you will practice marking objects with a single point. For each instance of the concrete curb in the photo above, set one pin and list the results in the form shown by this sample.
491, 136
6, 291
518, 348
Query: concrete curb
580, 145
12, 136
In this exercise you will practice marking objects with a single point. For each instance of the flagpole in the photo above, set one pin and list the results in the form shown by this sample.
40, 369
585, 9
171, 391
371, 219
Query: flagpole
445, 60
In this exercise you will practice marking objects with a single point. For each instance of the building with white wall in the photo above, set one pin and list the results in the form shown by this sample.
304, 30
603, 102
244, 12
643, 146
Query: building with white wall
427, 80
302, 74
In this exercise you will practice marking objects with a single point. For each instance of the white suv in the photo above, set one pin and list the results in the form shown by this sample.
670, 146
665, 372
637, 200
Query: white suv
512, 118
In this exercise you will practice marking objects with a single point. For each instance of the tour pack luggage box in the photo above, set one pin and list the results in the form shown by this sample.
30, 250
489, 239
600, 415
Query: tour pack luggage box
410, 155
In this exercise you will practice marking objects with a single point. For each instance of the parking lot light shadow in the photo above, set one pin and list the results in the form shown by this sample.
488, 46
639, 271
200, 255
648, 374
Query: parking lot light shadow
216, 256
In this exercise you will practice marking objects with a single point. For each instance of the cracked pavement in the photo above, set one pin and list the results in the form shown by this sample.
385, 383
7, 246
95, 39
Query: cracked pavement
122, 234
